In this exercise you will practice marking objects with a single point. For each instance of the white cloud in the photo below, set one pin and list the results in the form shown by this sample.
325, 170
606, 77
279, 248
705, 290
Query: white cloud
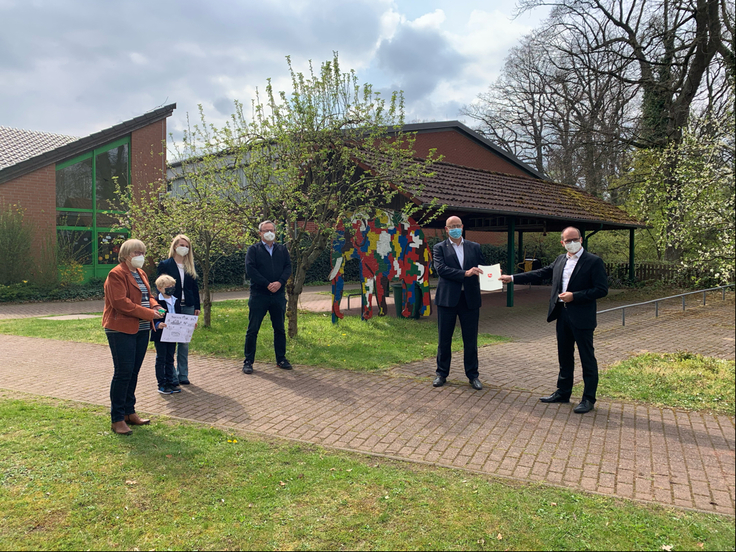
81, 67
431, 20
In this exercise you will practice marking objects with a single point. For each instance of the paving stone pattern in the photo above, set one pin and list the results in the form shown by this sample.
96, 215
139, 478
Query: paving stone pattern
621, 449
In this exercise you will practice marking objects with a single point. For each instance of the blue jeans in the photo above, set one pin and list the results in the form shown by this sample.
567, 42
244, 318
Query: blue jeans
181, 373
128, 352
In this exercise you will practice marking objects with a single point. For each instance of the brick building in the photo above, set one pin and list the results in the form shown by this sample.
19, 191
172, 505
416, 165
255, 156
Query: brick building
66, 184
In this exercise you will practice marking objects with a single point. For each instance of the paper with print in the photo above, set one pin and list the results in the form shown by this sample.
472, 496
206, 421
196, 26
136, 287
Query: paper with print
489, 280
179, 328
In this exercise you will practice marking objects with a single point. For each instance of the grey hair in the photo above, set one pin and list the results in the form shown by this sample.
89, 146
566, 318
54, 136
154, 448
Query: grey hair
260, 226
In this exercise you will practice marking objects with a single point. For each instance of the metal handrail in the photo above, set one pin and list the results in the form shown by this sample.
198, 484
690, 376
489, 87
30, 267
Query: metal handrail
657, 301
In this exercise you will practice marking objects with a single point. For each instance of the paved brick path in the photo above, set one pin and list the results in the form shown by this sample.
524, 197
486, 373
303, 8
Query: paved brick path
653, 454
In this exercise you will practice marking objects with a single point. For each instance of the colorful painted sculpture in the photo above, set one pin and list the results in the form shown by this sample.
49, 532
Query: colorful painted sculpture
389, 245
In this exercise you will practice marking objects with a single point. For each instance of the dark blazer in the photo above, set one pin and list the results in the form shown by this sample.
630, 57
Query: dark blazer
191, 287
263, 268
588, 282
156, 335
452, 275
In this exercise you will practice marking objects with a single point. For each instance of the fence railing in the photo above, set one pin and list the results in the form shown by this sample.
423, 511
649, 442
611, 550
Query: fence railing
656, 302
645, 271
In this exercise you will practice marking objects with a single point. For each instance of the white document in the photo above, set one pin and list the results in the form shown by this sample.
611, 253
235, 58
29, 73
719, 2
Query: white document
489, 280
179, 328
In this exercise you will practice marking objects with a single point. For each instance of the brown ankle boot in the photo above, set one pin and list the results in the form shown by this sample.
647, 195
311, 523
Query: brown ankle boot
121, 428
135, 419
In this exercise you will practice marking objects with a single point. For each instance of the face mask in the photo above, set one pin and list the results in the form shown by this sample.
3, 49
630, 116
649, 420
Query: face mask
456, 233
181, 250
138, 262
169, 291
269, 236
573, 247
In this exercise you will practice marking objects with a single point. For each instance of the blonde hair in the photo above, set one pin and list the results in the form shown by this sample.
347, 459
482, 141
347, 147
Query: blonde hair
164, 280
128, 247
188, 259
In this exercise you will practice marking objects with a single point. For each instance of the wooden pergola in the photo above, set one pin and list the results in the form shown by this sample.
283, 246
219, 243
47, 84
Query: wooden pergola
497, 202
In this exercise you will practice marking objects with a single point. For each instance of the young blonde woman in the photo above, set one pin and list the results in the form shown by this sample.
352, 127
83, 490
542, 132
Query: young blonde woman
180, 266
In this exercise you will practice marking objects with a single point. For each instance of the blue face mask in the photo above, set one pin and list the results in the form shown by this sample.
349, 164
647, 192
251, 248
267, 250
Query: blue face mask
456, 233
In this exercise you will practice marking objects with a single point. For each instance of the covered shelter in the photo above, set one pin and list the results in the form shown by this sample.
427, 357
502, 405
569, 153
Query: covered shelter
512, 203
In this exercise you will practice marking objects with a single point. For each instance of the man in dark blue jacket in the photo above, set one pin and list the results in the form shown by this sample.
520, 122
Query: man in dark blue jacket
268, 266
578, 280
456, 261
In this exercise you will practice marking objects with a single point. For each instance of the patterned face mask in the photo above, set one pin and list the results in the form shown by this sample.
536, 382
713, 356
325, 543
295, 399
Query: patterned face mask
573, 247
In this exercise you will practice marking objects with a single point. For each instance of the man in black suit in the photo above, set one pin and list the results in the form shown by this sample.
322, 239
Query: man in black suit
268, 265
458, 296
578, 280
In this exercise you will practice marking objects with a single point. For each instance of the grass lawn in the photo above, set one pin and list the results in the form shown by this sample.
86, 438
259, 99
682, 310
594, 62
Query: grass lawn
66, 485
351, 344
678, 380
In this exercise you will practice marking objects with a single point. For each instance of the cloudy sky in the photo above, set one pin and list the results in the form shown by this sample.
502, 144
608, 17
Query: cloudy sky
78, 66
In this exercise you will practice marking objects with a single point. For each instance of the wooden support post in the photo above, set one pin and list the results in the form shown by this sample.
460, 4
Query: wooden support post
632, 270
511, 261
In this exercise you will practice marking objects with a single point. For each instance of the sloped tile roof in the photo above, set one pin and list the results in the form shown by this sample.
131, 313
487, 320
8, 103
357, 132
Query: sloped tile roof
17, 144
505, 194
76, 146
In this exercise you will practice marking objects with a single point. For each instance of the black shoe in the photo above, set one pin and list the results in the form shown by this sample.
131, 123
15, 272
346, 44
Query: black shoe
476, 384
175, 389
165, 390
439, 381
183, 382
284, 365
247, 367
584, 406
555, 397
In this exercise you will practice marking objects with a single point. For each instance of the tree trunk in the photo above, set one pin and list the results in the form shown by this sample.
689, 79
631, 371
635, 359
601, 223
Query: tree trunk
294, 287
206, 299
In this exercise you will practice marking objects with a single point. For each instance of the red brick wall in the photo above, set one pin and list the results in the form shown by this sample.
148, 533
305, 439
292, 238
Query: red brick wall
148, 154
36, 191
460, 150
36, 194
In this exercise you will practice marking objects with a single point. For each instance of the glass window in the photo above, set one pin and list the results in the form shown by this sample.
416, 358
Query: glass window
108, 246
111, 167
74, 186
74, 246
106, 220
73, 218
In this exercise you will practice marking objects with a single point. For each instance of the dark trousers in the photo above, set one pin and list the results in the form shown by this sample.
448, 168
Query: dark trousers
258, 305
567, 337
165, 363
446, 317
128, 352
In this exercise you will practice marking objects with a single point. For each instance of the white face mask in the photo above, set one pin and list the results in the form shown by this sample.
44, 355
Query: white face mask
138, 262
182, 250
573, 247
269, 236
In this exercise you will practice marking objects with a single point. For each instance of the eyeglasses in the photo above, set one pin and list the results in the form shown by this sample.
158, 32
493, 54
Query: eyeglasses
455, 226
574, 240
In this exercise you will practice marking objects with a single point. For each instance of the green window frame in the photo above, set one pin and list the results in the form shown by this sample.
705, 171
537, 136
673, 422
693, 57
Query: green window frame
84, 227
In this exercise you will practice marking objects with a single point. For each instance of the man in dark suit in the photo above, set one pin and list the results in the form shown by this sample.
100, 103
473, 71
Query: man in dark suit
578, 280
268, 265
458, 296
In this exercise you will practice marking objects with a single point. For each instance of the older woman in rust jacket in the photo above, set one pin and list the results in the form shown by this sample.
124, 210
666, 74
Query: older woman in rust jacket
129, 310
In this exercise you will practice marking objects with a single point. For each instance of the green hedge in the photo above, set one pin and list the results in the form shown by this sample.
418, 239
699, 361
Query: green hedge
28, 292
231, 270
